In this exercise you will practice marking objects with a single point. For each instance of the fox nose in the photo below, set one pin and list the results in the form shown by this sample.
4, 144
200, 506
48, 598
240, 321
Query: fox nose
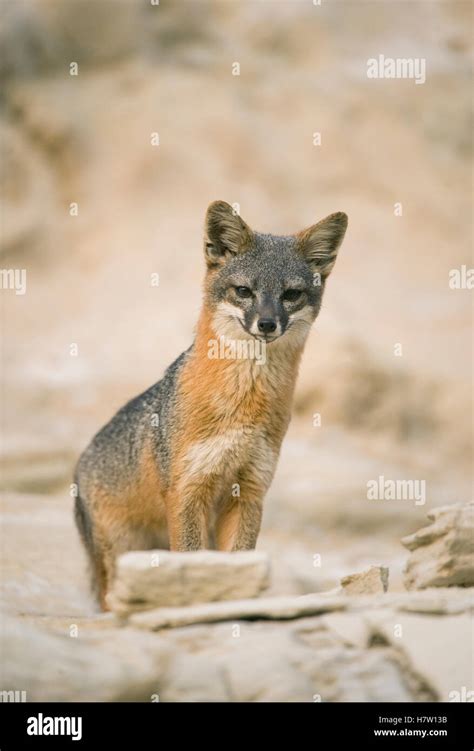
266, 325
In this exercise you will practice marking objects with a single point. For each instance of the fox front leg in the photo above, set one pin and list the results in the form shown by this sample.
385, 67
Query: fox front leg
239, 522
239, 525
188, 515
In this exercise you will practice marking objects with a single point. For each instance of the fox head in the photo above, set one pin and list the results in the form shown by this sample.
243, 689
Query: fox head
266, 286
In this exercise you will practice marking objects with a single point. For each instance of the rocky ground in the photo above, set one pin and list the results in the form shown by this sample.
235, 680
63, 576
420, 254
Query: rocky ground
381, 648
356, 642
386, 379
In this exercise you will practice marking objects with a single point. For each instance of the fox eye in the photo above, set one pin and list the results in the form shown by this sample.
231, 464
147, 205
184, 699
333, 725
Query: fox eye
243, 291
292, 295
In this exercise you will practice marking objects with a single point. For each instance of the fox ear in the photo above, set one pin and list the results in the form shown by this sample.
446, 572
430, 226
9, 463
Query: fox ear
226, 234
319, 244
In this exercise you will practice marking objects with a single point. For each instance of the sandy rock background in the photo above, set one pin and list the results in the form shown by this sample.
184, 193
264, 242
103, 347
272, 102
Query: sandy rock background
86, 139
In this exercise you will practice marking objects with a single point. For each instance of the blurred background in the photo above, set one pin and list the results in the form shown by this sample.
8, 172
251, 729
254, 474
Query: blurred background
388, 365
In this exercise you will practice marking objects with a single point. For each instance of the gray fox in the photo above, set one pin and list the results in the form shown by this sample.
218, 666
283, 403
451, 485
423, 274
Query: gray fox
187, 463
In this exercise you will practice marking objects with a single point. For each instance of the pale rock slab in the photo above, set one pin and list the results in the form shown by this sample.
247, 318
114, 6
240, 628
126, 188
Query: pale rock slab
351, 628
160, 578
265, 608
266, 667
196, 677
106, 666
434, 646
442, 554
437, 600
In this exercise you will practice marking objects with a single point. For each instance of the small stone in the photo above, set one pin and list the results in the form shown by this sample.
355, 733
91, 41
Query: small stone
370, 582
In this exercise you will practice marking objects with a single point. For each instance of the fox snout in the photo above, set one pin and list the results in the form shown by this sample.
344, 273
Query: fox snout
266, 325
266, 321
